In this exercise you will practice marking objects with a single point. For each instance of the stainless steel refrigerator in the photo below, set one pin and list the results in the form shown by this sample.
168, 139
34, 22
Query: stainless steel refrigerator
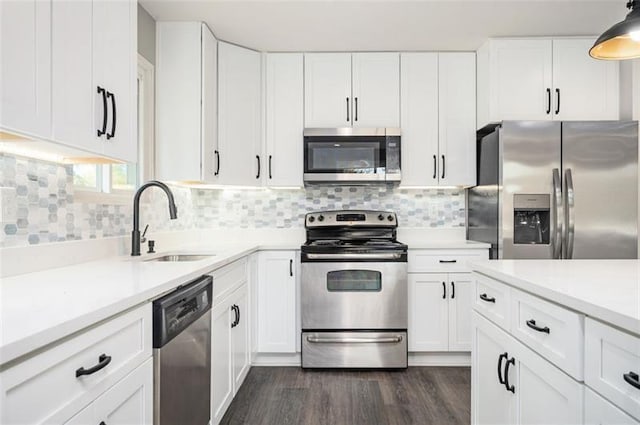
556, 190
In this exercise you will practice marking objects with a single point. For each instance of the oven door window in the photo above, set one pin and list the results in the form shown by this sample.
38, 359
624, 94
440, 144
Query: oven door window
360, 155
354, 281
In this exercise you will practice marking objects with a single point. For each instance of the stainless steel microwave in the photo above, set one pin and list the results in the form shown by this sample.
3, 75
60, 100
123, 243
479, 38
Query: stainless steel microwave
351, 155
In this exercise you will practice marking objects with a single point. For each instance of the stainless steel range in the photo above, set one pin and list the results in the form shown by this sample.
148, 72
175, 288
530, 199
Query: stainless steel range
354, 291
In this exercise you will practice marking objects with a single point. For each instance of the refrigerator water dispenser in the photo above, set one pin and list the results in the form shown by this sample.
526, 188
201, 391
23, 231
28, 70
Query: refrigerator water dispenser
531, 217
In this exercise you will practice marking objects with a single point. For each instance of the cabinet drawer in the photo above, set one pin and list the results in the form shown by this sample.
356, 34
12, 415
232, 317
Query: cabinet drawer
450, 260
493, 300
552, 331
598, 411
45, 388
228, 279
611, 358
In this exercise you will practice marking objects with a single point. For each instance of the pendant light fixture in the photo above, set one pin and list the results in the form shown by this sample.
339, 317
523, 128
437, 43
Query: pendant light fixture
621, 41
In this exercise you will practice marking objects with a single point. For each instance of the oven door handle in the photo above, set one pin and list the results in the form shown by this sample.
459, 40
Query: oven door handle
329, 340
353, 256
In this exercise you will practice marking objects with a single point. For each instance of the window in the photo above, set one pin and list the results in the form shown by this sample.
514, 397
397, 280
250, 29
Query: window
123, 178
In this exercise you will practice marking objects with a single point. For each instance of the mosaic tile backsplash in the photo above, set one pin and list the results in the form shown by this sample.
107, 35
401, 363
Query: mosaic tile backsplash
48, 208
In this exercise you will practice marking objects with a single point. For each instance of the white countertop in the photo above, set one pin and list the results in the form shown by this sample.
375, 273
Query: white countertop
607, 290
429, 244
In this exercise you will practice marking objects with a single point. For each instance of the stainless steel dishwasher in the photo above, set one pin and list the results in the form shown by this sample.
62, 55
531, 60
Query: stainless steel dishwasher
182, 355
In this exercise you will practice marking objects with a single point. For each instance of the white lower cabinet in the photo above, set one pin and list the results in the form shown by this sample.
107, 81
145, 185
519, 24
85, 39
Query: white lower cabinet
598, 411
129, 402
511, 384
276, 301
230, 339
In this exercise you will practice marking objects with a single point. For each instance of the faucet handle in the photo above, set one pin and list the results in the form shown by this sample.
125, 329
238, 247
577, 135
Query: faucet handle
143, 239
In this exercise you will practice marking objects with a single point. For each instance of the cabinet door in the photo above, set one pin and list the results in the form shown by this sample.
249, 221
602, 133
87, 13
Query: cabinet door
376, 90
285, 121
419, 119
115, 69
130, 401
239, 115
460, 300
491, 403
584, 88
240, 338
457, 119
74, 95
520, 75
327, 90
277, 302
598, 411
25, 67
545, 394
428, 312
221, 361
209, 111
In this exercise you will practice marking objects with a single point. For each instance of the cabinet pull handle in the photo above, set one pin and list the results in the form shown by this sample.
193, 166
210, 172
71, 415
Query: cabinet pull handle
113, 113
347, 109
217, 154
548, 101
291, 268
104, 111
356, 114
258, 158
453, 290
632, 379
502, 357
448, 261
435, 166
512, 388
444, 290
558, 101
239, 316
270, 176
103, 361
532, 324
443, 166
484, 297
236, 316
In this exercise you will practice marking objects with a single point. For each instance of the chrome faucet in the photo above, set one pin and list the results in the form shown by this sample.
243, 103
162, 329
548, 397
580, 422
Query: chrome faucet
135, 234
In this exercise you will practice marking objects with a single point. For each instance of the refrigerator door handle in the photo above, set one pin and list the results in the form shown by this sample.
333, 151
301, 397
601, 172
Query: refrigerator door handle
556, 241
569, 219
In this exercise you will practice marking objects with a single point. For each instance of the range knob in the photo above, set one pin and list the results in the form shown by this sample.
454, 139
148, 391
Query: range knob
380, 217
320, 217
390, 217
312, 219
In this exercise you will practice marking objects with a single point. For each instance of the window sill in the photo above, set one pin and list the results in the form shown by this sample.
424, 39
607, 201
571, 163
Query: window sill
91, 197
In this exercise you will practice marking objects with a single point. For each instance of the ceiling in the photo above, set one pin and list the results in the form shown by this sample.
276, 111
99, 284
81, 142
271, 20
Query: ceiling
345, 25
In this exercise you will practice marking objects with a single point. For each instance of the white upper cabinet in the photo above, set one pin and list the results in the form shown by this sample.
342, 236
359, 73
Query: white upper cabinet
327, 90
284, 119
186, 140
438, 119
239, 114
359, 90
457, 119
584, 88
25, 67
376, 90
544, 79
93, 75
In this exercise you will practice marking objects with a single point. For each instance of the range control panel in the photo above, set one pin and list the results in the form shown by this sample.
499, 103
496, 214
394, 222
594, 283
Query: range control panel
351, 218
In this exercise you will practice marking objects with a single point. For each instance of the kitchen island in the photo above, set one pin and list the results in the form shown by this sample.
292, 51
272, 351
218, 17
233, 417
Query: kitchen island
556, 342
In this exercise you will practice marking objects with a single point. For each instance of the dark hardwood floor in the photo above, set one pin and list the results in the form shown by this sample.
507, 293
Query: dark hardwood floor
290, 395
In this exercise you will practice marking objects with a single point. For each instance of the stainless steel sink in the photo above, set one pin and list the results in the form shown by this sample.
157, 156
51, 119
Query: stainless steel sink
181, 257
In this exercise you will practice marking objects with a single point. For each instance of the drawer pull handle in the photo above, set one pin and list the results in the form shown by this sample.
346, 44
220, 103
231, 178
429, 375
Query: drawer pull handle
486, 298
532, 324
512, 388
502, 357
103, 360
448, 261
632, 379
